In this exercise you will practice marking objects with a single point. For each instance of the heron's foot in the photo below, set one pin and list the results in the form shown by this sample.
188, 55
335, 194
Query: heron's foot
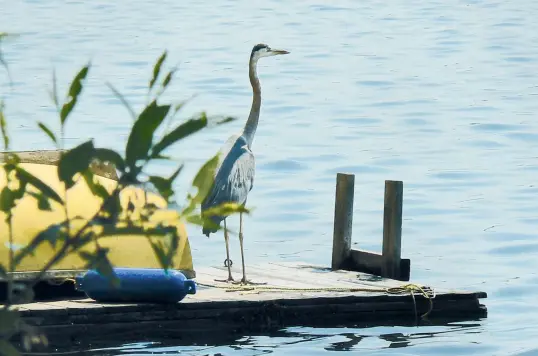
230, 279
246, 282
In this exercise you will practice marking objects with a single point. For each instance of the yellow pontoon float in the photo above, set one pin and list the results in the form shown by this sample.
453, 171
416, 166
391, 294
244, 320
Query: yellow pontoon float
124, 251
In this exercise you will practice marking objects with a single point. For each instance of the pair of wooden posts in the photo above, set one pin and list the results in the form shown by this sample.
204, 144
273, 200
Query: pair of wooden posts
389, 264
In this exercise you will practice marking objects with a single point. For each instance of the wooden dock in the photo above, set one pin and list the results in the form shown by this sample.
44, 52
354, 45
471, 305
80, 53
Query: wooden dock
359, 287
309, 296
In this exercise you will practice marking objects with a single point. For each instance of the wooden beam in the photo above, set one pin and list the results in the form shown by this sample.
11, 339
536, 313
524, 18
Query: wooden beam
372, 263
52, 157
343, 219
392, 229
368, 262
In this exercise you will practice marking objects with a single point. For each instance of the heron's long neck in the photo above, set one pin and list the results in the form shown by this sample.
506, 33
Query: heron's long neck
254, 116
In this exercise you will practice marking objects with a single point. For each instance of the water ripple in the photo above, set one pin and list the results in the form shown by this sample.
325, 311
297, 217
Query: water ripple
441, 96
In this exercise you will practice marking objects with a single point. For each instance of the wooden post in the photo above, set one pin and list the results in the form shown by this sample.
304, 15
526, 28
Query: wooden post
392, 229
343, 219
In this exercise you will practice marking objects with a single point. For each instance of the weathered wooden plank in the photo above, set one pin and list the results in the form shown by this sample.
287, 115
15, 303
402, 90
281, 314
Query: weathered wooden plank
53, 276
159, 312
249, 300
359, 278
285, 315
314, 276
43, 306
283, 276
257, 274
52, 157
338, 277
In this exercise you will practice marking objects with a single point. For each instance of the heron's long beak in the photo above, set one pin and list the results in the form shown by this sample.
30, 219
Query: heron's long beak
279, 51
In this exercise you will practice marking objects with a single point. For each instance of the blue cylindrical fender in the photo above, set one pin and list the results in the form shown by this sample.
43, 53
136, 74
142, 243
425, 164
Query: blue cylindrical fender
140, 285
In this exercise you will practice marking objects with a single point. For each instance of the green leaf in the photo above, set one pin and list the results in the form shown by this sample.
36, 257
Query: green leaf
157, 69
42, 201
175, 174
7, 200
7, 349
168, 78
183, 130
8, 320
111, 209
158, 249
52, 234
83, 239
3, 126
100, 262
106, 155
165, 255
96, 188
74, 91
195, 219
141, 136
204, 178
226, 120
172, 250
123, 100
164, 185
47, 131
11, 160
225, 209
74, 161
203, 181
158, 231
54, 92
26, 177
8, 197
6, 35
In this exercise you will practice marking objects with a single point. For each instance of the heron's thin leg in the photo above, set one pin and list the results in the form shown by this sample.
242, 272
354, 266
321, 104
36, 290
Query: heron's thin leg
228, 262
244, 280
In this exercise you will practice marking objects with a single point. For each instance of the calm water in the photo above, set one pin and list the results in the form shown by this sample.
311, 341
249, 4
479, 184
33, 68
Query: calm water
442, 95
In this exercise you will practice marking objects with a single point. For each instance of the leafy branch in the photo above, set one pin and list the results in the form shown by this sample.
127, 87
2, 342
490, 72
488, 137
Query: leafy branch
117, 215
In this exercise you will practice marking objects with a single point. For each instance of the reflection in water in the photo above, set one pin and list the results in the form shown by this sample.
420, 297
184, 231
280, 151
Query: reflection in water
299, 340
350, 343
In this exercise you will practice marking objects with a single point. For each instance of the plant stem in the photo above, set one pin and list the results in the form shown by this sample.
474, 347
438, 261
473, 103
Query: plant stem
9, 297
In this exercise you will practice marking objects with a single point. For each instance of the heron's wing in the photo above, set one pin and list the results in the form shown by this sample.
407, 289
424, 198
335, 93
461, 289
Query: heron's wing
234, 178
225, 150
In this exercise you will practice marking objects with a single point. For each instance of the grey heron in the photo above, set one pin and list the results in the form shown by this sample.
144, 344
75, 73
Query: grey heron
234, 175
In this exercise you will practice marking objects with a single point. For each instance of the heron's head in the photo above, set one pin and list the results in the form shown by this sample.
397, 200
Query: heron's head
263, 50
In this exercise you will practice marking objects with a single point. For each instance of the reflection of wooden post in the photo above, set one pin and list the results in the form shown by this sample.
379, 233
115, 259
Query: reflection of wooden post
392, 229
343, 219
